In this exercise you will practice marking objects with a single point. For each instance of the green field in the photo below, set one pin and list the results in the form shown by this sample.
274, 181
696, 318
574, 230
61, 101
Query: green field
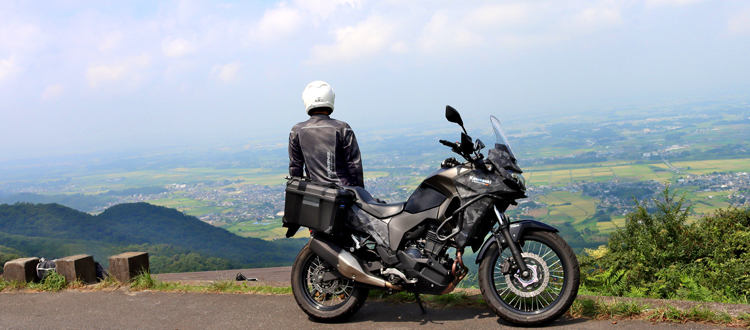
565, 206
580, 207
632, 172
267, 229
134, 179
710, 166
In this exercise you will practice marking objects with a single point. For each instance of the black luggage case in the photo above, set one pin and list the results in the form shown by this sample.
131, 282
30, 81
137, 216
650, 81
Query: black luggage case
316, 205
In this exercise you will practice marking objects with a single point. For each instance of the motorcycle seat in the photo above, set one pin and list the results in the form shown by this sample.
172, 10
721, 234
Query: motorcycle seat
367, 203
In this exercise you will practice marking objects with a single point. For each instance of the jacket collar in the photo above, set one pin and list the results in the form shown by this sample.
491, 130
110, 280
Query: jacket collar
320, 116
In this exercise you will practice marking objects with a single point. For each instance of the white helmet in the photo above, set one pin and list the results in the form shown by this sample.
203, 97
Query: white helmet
318, 94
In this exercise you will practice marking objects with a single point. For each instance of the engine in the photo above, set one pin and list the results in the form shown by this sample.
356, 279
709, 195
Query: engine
428, 246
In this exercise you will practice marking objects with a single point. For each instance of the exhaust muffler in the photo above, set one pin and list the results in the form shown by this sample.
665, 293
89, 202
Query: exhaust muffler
347, 264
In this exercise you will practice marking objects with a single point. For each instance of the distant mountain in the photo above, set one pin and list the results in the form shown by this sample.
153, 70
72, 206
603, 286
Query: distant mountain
81, 202
171, 237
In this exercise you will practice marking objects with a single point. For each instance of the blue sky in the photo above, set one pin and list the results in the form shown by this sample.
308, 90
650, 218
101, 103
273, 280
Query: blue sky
83, 76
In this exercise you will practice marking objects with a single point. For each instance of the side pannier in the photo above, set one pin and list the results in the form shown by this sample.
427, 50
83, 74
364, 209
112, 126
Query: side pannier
316, 205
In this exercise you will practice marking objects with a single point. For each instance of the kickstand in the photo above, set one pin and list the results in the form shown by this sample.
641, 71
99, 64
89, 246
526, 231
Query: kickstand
419, 301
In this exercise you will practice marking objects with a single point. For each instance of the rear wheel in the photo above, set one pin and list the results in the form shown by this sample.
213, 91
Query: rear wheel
543, 297
325, 301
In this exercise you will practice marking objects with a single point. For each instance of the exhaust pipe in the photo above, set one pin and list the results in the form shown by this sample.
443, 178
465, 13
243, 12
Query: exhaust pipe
347, 264
459, 271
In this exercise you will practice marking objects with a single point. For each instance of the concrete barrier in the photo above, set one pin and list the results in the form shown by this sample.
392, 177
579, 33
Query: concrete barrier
21, 270
125, 266
78, 267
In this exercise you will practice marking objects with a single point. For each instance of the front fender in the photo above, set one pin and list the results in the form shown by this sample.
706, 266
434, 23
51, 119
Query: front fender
516, 230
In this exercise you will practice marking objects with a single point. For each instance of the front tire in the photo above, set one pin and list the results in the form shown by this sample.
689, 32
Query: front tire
329, 301
541, 299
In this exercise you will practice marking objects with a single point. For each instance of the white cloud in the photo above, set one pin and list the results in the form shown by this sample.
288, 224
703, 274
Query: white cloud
739, 23
20, 37
499, 15
515, 25
595, 18
52, 91
324, 8
443, 32
8, 68
360, 41
671, 2
226, 73
111, 42
127, 69
277, 23
177, 47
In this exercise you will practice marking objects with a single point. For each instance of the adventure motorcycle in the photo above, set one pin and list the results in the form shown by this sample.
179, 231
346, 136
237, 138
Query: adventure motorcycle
527, 274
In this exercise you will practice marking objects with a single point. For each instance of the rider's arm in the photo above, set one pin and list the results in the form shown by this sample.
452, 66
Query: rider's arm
296, 160
353, 158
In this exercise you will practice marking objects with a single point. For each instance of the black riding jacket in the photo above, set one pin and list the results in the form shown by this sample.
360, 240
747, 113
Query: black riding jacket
327, 150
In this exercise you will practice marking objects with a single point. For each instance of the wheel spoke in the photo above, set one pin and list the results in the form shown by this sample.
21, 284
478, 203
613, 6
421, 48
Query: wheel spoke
538, 293
329, 294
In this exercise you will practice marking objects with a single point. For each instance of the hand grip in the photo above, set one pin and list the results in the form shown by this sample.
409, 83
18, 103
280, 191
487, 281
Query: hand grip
449, 143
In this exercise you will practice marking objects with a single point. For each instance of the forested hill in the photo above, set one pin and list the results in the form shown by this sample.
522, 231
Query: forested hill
173, 238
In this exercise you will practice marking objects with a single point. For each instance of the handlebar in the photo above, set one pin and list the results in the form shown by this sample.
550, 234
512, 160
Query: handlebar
449, 144
457, 148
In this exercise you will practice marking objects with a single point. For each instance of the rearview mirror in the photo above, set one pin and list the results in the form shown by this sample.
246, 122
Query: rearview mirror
479, 145
452, 115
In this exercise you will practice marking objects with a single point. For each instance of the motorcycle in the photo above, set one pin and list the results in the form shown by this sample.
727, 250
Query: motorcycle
527, 273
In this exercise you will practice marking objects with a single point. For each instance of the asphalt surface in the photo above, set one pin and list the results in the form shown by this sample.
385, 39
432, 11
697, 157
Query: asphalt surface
122, 309
280, 276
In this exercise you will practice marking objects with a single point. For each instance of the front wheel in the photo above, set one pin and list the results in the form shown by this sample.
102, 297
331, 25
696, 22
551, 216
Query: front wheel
543, 297
324, 301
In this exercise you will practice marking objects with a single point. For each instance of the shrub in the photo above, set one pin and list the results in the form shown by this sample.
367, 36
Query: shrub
659, 254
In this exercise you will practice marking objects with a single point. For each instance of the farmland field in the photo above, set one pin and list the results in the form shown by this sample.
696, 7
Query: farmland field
631, 172
268, 230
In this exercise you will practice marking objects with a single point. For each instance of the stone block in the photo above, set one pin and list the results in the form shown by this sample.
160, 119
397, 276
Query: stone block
78, 267
21, 270
125, 266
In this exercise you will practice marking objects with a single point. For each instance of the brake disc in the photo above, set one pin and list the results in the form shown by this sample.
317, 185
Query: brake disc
538, 281
328, 287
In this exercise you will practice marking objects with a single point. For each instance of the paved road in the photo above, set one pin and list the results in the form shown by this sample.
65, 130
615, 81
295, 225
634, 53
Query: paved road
158, 310
279, 276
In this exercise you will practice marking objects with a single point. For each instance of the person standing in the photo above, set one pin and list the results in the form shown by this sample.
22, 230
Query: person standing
323, 148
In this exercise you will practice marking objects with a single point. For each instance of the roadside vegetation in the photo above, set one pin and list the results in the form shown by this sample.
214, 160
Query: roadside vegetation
622, 310
52, 283
56, 282
660, 254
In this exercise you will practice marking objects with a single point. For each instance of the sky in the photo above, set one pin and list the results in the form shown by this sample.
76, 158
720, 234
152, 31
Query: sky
91, 76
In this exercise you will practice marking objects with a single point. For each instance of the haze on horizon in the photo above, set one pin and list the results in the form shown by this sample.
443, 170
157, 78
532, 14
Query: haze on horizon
82, 76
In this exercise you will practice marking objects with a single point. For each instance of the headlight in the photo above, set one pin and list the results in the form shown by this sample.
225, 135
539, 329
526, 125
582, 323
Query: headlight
519, 177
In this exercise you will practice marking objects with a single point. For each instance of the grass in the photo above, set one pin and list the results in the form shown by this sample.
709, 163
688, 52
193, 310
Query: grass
52, 283
599, 310
147, 282
694, 314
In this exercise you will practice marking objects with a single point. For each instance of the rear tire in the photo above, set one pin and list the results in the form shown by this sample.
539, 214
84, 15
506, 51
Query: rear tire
330, 301
545, 297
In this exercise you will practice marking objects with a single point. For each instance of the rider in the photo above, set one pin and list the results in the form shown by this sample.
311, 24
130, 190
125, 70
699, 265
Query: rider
325, 147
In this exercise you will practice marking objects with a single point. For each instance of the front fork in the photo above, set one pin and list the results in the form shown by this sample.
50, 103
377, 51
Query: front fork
504, 230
